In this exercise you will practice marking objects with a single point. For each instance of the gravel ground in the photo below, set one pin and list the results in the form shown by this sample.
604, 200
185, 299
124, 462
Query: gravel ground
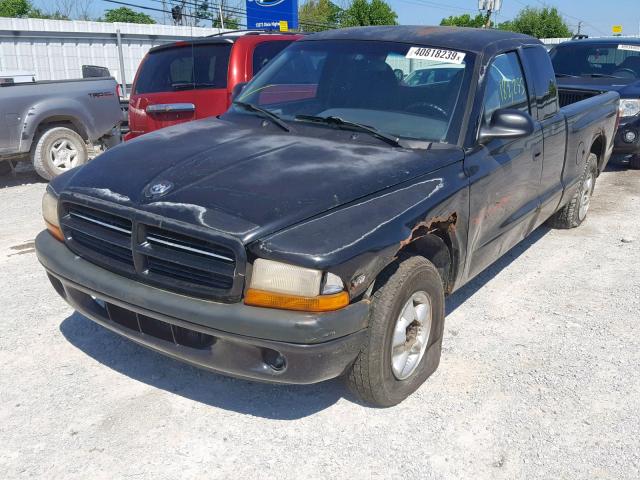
539, 377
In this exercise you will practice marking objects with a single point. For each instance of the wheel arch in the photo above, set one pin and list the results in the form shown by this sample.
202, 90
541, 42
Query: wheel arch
63, 121
598, 146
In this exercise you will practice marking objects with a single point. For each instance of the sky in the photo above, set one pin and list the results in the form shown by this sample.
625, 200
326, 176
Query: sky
597, 16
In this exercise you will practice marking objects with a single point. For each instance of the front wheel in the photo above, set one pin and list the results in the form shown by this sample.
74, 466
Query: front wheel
58, 149
574, 212
634, 162
405, 334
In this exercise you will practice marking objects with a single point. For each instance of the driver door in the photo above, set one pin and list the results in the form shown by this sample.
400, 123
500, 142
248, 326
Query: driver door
504, 173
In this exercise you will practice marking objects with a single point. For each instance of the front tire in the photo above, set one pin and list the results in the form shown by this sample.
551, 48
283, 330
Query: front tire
58, 149
634, 162
574, 212
405, 334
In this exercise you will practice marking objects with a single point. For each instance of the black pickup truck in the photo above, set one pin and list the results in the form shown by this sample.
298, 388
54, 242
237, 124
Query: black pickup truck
588, 67
314, 229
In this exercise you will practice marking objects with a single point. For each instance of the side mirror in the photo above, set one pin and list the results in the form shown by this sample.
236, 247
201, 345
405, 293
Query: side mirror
507, 123
237, 89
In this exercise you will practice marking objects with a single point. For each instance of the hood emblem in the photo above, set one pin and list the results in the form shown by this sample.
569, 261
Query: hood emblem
159, 189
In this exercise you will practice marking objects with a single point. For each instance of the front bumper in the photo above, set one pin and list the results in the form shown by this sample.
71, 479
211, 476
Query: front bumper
233, 339
622, 147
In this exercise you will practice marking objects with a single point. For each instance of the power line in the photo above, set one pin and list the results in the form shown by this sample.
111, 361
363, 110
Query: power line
228, 10
440, 6
243, 12
544, 4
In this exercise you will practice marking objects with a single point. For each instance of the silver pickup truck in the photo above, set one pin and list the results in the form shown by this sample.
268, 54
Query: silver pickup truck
51, 122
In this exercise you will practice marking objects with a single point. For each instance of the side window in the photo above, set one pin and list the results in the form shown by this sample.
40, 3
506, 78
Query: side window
544, 81
505, 85
265, 51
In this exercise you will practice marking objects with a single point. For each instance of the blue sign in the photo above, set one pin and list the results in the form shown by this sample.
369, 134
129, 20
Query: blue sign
272, 14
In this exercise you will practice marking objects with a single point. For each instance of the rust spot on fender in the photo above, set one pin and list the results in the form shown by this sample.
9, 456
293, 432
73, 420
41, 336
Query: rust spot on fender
428, 226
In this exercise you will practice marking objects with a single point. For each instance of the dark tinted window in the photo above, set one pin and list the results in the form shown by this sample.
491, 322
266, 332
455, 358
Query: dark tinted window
266, 51
620, 60
544, 81
506, 87
183, 68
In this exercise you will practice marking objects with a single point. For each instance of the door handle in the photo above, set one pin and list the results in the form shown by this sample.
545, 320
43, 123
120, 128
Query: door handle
170, 107
537, 154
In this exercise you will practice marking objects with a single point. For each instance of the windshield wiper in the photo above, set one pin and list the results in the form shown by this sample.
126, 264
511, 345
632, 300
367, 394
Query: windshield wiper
264, 113
341, 123
598, 75
181, 85
566, 75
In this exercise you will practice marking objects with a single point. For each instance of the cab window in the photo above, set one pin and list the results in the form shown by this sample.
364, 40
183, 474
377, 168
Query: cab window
265, 51
505, 85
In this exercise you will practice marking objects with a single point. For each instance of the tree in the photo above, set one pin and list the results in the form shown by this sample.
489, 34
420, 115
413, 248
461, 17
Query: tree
361, 13
14, 8
465, 20
212, 12
126, 15
538, 22
317, 15
57, 15
24, 9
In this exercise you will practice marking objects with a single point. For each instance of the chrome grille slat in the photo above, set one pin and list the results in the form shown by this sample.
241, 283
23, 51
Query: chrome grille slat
153, 239
98, 222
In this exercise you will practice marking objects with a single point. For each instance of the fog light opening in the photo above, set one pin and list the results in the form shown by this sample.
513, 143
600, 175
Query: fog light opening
274, 359
630, 136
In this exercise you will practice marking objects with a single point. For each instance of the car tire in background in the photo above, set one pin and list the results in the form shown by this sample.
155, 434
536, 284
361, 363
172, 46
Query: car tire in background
5, 167
406, 319
634, 162
574, 212
57, 149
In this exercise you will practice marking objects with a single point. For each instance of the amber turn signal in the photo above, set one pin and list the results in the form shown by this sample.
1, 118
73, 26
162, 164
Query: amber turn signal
321, 303
55, 231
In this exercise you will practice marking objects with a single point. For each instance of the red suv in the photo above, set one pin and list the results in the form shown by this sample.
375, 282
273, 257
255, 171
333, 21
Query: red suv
186, 80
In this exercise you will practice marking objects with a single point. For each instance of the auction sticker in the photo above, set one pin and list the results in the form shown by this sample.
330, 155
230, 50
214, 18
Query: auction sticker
633, 48
435, 54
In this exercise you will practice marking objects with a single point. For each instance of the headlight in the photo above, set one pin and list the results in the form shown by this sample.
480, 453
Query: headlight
284, 286
629, 107
50, 214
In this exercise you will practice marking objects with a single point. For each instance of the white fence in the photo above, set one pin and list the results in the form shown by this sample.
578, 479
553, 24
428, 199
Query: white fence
57, 49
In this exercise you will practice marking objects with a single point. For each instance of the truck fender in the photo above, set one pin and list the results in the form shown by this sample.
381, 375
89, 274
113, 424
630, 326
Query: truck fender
53, 110
359, 240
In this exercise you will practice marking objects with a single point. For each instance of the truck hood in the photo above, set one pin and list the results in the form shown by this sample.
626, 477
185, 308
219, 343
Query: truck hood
627, 88
246, 177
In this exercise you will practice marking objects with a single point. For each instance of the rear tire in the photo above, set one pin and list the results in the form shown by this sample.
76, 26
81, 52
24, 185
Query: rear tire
634, 162
574, 212
56, 150
393, 363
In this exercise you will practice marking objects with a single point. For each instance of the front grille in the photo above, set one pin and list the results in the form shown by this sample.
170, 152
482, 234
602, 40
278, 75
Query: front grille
157, 328
194, 263
567, 97
101, 236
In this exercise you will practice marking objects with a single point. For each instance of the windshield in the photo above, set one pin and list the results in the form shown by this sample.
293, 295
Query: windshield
605, 60
397, 89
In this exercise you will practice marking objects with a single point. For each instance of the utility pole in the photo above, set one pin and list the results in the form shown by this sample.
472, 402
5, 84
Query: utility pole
489, 7
221, 16
487, 23
579, 26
